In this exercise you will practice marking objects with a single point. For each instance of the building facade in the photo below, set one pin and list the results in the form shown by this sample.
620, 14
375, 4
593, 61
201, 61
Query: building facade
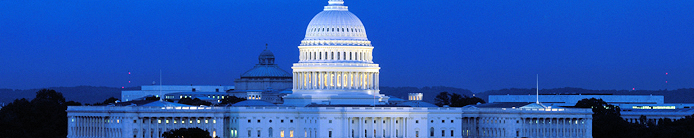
334, 95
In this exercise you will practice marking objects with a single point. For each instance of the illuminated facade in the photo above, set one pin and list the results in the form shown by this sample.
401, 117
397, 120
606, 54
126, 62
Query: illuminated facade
335, 62
335, 95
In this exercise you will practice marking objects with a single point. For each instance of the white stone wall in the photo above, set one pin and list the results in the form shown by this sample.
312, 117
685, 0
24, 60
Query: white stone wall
323, 122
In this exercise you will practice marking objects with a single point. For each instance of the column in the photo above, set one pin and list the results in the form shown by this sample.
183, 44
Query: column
313, 80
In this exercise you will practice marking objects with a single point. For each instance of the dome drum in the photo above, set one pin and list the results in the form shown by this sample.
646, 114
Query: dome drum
335, 54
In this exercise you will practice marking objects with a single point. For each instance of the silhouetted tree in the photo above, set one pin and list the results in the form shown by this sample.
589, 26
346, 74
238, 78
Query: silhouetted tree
607, 122
456, 100
442, 99
186, 133
152, 98
231, 100
107, 101
43, 117
194, 102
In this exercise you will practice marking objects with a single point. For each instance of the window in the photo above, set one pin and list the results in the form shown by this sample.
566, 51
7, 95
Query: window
281, 121
258, 133
330, 134
431, 131
443, 121
291, 133
443, 133
291, 121
416, 133
432, 121
416, 121
281, 133
330, 121
193, 89
217, 89
451, 133
451, 121
270, 121
269, 131
258, 121
249, 133
249, 121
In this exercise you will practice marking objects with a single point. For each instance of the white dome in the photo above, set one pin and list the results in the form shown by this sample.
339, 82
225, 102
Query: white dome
336, 26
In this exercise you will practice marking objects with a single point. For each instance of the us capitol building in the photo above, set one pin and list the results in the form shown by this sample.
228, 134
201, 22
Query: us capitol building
334, 94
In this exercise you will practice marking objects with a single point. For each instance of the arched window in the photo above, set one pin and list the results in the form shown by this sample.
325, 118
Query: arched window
431, 131
269, 131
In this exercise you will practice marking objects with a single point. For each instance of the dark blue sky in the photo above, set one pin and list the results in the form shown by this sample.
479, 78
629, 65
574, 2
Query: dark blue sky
477, 45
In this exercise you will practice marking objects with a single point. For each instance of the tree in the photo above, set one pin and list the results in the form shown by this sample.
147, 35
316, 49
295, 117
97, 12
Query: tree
44, 116
194, 102
442, 99
186, 133
607, 122
107, 101
152, 98
456, 100
231, 100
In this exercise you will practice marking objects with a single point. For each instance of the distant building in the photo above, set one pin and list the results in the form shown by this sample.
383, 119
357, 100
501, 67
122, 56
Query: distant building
653, 107
157, 90
335, 93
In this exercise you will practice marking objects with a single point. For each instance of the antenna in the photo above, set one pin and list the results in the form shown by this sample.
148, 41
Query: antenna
160, 99
537, 91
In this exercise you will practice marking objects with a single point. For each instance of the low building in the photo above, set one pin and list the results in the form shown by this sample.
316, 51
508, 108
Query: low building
157, 90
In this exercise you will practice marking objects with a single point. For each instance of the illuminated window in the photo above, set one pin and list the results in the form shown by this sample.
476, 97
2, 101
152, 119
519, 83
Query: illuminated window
281, 133
416, 134
291, 133
167, 121
214, 121
198, 121
159, 121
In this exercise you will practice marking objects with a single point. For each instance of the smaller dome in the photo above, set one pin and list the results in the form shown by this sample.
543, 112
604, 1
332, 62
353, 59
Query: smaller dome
266, 53
266, 67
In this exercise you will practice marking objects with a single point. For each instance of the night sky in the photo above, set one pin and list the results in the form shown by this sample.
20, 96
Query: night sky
477, 45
